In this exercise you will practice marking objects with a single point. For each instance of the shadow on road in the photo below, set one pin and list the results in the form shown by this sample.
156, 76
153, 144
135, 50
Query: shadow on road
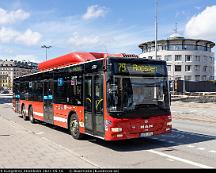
176, 138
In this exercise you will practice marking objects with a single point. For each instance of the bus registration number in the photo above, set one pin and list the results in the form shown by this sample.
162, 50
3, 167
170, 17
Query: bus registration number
146, 134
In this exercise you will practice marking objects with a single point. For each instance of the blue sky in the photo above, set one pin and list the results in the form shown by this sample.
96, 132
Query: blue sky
96, 25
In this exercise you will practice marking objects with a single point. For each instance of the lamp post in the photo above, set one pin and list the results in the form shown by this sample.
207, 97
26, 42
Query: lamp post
156, 26
46, 47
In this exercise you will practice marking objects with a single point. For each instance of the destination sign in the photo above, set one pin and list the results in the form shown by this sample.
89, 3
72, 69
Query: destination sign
135, 68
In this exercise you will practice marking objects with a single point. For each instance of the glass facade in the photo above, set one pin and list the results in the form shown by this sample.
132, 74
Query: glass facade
180, 45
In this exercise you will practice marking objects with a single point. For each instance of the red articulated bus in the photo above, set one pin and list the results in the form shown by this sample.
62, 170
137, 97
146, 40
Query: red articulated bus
109, 96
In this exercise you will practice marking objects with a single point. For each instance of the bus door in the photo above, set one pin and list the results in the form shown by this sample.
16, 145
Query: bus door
48, 101
93, 104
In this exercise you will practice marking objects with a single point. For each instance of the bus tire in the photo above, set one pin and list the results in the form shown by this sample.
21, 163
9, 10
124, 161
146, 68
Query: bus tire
30, 113
23, 113
74, 127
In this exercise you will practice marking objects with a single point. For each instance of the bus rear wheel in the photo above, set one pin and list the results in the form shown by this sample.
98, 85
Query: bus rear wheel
23, 113
74, 127
31, 117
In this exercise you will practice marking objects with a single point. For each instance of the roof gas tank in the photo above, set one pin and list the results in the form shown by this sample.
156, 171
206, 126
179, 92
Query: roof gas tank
65, 60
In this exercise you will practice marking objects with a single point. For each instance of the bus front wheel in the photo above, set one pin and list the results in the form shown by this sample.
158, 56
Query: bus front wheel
74, 127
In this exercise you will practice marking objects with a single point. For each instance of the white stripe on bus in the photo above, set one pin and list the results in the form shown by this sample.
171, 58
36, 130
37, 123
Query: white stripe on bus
60, 119
38, 114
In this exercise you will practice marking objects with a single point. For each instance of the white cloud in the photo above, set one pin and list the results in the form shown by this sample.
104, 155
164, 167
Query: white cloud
202, 25
77, 40
27, 38
7, 34
9, 17
94, 11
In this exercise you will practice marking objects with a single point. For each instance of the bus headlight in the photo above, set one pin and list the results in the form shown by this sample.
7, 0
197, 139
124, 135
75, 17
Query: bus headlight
116, 129
169, 123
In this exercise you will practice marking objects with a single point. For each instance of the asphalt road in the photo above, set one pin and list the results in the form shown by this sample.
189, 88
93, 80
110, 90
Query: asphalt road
192, 144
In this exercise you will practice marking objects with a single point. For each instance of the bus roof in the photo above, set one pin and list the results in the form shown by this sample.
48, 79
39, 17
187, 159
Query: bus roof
73, 58
122, 56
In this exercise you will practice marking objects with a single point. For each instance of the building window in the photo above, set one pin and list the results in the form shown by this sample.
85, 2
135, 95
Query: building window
175, 47
197, 67
149, 57
210, 69
202, 48
168, 67
211, 58
188, 68
178, 78
178, 57
205, 58
189, 47
168, 57
197, 77
197, 58
187, 58
205, 68
177, 67
187, 77
159, 57
204, 77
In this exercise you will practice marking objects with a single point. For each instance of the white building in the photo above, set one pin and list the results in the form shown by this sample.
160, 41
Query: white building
187, 59
12, 69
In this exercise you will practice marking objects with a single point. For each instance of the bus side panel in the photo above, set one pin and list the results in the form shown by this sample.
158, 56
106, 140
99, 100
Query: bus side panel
62, 112
38, 110
60, 115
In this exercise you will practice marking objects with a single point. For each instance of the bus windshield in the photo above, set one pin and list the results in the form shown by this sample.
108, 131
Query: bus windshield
138, 95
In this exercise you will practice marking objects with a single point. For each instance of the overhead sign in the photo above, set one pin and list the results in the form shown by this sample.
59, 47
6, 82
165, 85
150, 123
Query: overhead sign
138, 68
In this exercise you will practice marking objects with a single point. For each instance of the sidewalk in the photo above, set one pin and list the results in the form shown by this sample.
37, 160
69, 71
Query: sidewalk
20, 148
205, 112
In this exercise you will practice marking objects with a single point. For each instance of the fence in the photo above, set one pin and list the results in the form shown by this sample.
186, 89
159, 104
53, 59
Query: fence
182, 86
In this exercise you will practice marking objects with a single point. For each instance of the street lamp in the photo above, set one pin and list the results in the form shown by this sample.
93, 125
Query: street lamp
46, 47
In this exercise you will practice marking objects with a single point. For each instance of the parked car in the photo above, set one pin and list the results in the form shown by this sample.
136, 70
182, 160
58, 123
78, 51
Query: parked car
5, 92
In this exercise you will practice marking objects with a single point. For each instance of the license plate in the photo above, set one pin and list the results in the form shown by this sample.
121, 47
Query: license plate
146, 134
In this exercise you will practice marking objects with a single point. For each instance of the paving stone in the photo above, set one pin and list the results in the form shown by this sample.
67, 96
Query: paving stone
19, 148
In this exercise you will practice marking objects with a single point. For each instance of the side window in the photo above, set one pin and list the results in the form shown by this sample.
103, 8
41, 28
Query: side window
38, 91
99, 94
74, 95
60, 89
23, 90
30, 93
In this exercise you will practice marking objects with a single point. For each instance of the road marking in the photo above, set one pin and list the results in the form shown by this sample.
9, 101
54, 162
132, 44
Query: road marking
190, 146
39, 133
179, 159
171, 160
212, 151
201, 149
